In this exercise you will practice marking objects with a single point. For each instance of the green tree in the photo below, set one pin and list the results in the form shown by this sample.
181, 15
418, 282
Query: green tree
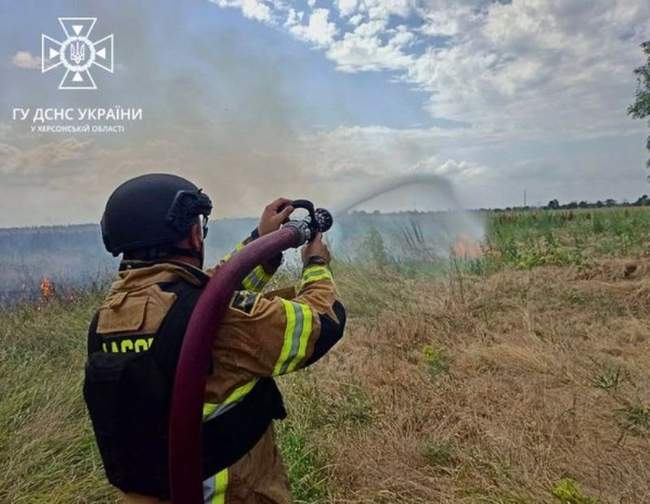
374, 249
640, 109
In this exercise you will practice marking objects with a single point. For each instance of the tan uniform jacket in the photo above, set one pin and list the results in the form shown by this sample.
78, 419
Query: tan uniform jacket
262, 335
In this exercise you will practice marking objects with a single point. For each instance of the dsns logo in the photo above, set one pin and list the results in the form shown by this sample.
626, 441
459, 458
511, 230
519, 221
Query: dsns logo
77, 53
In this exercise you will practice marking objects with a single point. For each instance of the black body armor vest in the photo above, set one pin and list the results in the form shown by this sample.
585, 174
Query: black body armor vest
128, 396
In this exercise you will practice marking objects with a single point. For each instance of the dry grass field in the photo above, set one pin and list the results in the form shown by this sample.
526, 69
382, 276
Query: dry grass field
522, 376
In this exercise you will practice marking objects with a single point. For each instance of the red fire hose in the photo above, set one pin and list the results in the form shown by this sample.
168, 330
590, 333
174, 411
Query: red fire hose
185, 424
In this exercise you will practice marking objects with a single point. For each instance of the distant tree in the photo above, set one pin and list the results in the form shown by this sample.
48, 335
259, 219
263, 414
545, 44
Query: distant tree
642, 201
573, 205
374, 249
554, 204
583, 204
640, 109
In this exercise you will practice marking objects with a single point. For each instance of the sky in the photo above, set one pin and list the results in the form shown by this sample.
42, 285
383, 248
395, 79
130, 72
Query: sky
255, 99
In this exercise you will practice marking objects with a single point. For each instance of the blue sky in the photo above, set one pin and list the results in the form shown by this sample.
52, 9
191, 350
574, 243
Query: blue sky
261, 98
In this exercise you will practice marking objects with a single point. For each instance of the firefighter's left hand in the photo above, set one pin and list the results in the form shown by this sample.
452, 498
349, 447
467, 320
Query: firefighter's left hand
271, 219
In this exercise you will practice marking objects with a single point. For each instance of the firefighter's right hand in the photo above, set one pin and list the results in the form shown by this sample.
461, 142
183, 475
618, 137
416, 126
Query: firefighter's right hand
272, 217
315, 248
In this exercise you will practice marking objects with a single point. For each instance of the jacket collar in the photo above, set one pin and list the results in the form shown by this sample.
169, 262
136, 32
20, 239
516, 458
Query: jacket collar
139, 274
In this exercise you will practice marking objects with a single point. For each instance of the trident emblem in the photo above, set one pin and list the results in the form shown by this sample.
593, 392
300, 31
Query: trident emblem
77, 53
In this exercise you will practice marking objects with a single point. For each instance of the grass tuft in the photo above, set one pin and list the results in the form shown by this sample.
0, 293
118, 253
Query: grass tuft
568, 492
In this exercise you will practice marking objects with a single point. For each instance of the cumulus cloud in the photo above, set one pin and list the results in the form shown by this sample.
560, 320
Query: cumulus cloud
522, 69
363, 49
252, 9
318, 29
24, 59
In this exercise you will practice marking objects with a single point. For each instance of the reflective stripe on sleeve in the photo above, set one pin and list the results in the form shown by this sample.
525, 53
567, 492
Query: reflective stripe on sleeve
256, 279
215, 487
213, 410
314, 273
296, 336
238, 247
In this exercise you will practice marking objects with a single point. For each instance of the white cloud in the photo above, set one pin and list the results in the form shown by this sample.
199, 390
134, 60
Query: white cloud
318, 30
528, 68
363, 49
24, 59
252, 9
347, 7
539, 67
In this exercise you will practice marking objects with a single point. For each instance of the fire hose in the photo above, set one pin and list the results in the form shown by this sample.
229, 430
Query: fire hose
185, 422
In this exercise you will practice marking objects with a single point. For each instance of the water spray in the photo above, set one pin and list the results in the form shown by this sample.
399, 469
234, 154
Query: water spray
391, 184
468, 226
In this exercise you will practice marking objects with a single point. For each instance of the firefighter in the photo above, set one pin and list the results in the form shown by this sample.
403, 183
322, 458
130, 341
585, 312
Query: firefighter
159, 223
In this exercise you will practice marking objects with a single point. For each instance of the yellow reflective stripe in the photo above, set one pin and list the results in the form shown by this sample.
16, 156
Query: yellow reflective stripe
209, 408
261, 272
304, 337
229, 255
239, 393
316, 278
220, 487
256, 279
296, 336
247, 284
288, 336
315, 273
212, 410
314, 269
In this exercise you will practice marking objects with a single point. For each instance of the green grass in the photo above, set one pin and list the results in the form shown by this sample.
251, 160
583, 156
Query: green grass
568, 492
306, 470
609, 378
47, 449
635, 419
524, 240
436, 360
439, 454
521, 241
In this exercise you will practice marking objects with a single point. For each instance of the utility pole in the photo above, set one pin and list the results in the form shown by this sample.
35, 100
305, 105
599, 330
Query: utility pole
525, 198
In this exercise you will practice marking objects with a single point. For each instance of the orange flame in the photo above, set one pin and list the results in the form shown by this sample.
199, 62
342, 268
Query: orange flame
47, 289
467, 248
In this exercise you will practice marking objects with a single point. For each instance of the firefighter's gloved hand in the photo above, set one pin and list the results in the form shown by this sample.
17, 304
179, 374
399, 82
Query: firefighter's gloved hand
315, 250
271, 219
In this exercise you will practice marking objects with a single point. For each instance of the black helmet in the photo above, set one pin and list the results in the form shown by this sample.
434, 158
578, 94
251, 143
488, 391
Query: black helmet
151, 211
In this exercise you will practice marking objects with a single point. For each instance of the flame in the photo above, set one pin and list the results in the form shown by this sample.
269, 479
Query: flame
467, 248
47, 289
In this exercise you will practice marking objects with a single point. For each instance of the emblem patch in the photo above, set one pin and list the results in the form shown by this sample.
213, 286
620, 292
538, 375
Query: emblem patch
244, 301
